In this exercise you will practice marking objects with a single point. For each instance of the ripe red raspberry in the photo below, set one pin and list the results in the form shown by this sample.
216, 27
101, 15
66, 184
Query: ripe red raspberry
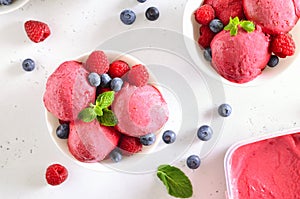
204, 14
36, 31
206, 35
138, 75
210, 2
118, 68
56, 174
130, 144
97, 62
283, 45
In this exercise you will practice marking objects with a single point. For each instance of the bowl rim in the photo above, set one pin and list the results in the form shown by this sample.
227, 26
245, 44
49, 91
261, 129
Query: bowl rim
4, 9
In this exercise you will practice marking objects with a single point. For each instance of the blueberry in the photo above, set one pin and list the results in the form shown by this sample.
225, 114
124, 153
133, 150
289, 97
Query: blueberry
148, 139
94, 79
207, 54
28, 65
224, 110
127, 17
169, 137
273, 61
216, 25
116, 155
193, 162
141, 1
116, 84
204, 133
62, 131
152, 13
105, 80
5, 2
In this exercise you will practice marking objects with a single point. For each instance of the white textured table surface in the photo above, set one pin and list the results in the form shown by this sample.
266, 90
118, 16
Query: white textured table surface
78, 27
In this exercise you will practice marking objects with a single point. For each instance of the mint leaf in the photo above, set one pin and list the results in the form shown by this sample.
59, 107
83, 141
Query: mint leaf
87, 114
108, 118
98, 110
248, 26
176, 182
105, 99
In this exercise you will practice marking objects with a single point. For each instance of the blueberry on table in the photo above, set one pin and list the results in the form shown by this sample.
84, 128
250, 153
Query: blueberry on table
273, 61
193, 162
216, 25
62, 131
148, 139
5, 2
116, 84
224, 110
94, 79
169, 137
116, 155
127, 17
204, 133
105, 80
152, 13
141, 1
28, 65
207, 54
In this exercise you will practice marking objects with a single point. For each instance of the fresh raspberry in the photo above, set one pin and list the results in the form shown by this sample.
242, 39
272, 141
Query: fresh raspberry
206, 35
118, 68
283, 45
138, 75
36, 31
210, 2
97, 62
130, 144
56, 174
204, 14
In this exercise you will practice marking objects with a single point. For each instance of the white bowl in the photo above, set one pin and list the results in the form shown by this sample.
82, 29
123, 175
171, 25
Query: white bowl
191, 33
12, 7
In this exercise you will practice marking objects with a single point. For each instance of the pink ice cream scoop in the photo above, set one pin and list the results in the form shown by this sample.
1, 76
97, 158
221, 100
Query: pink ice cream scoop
275, 17
240, 58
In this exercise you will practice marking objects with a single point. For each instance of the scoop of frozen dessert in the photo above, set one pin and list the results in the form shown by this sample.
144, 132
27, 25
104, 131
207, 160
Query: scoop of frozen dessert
90, 141
275, 17
242, 57
224, 9
68, 91
140, 110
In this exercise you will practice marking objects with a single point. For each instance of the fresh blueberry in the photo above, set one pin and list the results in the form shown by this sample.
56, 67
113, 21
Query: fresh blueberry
169, 137
148, 139
193, 162
127, 17
216, 25
62, 131
142, 1
116, 155
273, 61
28, 65
152, 13
105, 80
116, 84
204, 133
207, 54
94, 79
224, 110
5, 2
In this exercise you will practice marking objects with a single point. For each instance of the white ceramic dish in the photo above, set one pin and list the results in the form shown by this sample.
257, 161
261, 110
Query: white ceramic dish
231, 189
12, 7
189, 106
191, 33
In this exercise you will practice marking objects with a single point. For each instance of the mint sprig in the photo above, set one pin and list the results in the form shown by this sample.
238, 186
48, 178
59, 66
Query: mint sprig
100, 110
176, 182
233, 24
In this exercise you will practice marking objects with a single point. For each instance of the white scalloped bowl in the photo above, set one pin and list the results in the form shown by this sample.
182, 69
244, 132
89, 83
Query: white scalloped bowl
16, 4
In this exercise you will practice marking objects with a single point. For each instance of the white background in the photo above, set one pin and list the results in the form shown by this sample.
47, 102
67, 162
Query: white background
78, 27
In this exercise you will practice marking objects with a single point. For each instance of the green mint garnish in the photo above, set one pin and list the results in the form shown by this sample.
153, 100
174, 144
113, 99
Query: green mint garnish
100, 111
108, 118
176, 182
233, 24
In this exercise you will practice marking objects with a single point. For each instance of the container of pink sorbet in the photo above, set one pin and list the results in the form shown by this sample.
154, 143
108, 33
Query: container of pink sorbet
267, 167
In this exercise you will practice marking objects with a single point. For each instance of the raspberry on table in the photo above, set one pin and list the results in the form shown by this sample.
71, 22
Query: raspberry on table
36, 31
283, 45
118, 68
56, 174
204, 14
206, 36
